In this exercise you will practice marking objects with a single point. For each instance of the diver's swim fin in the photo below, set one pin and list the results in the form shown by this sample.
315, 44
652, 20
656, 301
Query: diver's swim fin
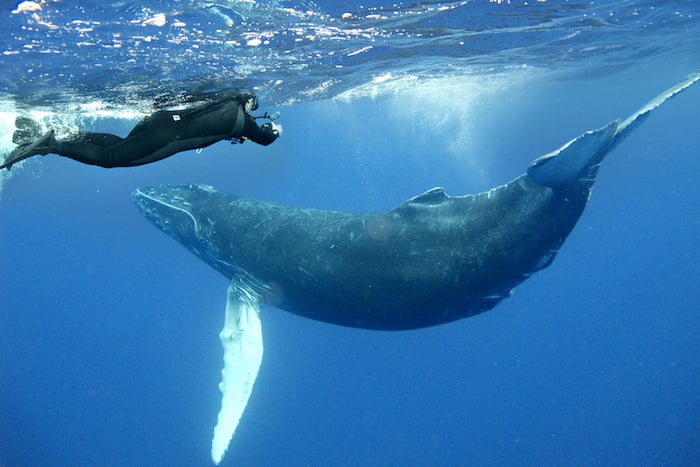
28, 130
41, 146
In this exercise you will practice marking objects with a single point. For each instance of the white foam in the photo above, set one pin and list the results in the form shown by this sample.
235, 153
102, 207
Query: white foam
7, 127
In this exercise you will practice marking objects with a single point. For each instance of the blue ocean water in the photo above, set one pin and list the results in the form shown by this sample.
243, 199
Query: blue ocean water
109, 351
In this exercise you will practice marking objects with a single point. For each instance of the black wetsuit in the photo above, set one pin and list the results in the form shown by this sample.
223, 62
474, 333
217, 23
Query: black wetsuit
167, 132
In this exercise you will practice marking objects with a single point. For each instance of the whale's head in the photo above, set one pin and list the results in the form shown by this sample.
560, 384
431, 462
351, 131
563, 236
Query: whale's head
185, 214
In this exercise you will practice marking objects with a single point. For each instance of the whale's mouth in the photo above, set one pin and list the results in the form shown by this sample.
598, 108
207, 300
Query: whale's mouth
181, 213
164, 208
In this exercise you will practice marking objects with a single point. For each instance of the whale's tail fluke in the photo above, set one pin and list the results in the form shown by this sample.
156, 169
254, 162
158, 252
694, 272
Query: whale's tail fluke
625, 127
577, 158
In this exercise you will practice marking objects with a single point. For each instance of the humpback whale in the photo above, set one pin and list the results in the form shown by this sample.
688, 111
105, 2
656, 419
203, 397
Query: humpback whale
433, 259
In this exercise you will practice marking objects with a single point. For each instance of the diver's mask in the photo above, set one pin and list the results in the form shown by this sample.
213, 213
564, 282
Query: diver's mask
251, 104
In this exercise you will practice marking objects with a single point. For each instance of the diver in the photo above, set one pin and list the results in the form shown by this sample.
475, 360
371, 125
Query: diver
221, 116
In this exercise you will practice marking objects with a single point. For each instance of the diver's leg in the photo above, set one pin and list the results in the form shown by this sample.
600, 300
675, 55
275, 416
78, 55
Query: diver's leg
100, 139
90, 148
106, 150
109, 151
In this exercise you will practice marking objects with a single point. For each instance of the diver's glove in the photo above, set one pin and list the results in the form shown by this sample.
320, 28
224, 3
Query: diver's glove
273, 128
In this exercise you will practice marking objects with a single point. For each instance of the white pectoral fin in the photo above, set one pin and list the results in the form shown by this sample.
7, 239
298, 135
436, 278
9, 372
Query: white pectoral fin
242, 341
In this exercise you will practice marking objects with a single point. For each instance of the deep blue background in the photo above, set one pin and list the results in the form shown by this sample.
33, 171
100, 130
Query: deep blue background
108, 329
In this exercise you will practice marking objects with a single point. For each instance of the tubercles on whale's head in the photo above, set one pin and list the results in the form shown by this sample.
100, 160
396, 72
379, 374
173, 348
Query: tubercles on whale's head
164, 208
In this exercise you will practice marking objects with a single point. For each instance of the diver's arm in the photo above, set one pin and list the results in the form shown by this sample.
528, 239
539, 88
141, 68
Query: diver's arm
262, 135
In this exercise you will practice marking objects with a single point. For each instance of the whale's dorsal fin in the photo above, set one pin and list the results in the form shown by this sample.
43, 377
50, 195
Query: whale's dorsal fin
242, 341
426, 200
567, 163
433, 196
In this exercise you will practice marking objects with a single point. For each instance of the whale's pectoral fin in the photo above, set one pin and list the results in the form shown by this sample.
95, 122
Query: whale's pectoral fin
579, 157
242, 341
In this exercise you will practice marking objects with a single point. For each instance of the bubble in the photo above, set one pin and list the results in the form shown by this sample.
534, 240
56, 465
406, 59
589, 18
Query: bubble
275, 294
379, 228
